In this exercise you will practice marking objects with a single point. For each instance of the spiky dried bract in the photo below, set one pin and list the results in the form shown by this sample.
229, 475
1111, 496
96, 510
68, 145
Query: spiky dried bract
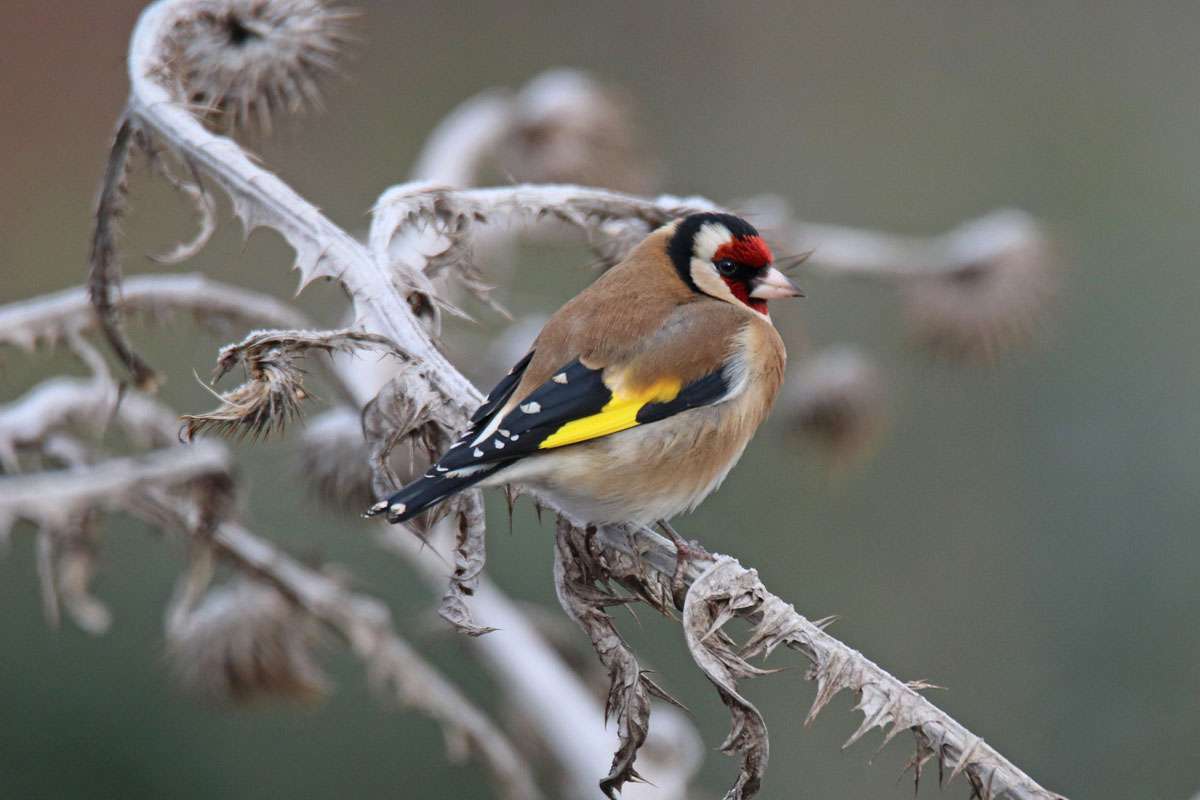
629, 691
835, 400
243, 642
239, 63
569, 128
273, 395
987, 304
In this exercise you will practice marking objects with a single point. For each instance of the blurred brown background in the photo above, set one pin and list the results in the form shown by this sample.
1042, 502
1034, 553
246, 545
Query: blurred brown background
1026, 536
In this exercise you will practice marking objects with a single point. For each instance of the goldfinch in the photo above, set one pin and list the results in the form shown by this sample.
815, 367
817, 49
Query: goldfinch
640, 394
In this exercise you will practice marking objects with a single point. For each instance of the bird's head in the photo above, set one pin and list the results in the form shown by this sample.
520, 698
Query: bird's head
723, 256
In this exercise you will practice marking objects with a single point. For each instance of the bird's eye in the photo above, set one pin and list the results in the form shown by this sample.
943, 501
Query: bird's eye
726, 267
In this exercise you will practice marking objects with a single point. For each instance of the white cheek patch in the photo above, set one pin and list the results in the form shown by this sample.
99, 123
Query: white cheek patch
705, 276
708, 239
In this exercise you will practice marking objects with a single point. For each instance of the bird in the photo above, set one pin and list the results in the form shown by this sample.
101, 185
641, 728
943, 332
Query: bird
640, 394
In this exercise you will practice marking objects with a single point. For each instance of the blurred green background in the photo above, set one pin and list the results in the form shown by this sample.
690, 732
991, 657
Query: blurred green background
1026, 535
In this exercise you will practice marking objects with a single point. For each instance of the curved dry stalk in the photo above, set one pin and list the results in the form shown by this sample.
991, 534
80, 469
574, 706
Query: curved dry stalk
104, 268
55, 317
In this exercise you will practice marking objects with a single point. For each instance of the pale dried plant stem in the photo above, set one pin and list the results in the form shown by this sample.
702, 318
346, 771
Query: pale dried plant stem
324, 249
53, 316
860, 253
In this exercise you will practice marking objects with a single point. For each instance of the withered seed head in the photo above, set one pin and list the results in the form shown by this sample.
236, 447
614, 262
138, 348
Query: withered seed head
985, 306
836, 400
240, 62
569, 128
245, 642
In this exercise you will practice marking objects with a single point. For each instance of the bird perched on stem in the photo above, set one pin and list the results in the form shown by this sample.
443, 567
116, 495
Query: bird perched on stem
640, 394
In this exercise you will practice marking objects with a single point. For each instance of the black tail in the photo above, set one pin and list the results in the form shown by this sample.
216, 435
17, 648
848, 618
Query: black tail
427, 491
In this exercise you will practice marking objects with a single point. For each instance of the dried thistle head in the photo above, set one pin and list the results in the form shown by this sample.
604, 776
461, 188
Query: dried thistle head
240, 62
274, 392
263, 405
986, 304
569, 128
244, 642
334, 460
836, 400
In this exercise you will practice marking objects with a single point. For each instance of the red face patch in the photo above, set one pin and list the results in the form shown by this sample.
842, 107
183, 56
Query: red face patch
749, 250
742, 292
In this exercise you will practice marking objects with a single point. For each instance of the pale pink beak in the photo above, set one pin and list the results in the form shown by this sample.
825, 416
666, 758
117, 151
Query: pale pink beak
773, 285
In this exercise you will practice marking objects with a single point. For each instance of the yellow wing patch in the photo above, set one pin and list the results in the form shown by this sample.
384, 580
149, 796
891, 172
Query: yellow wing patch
618, 414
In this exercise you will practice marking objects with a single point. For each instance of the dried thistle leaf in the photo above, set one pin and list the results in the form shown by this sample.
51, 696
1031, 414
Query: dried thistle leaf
243, 642
629, 691
470, 555
273, 395
241, 62
67, 560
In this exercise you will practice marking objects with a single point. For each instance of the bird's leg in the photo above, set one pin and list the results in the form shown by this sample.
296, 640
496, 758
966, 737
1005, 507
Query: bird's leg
685, 551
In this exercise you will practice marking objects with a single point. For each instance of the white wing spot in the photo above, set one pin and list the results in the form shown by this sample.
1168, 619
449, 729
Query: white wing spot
496, 443
560, 378
440, 468
477, 453
504, 433
398, 508
532, 407
378, 507
515, 437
